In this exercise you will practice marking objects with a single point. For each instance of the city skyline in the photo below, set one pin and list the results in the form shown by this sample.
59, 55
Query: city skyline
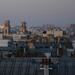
37, 37
37, 13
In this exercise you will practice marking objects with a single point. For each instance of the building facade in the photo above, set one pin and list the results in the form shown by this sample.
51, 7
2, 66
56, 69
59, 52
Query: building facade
56, 32
7, 27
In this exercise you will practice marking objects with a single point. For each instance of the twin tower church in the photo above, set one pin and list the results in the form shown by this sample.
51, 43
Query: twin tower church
7, 27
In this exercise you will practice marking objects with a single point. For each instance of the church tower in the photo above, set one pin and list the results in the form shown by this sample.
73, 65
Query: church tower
7, 27
23, 27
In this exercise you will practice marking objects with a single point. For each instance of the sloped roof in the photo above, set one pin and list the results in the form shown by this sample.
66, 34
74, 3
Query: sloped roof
7, 48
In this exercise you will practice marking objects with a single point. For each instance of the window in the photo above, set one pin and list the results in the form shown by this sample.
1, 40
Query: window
22, 25
5, 31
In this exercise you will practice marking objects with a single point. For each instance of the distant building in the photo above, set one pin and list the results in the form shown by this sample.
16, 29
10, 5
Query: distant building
1, 27
7, 32
73, 43
48, 26
23, 27
7, 27
5, 48
72, 26
4, 43
56, 32
17, 37
1, 36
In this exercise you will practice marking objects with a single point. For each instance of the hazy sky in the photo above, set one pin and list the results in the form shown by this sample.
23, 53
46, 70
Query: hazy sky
38, 12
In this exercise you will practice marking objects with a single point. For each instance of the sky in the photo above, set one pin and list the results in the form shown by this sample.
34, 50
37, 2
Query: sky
38, 12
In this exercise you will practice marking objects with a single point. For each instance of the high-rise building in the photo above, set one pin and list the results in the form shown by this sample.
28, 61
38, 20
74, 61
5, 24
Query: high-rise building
7, 27
23, 27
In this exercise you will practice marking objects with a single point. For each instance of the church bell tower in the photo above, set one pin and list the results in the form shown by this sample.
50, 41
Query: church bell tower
7, 27
23, 27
